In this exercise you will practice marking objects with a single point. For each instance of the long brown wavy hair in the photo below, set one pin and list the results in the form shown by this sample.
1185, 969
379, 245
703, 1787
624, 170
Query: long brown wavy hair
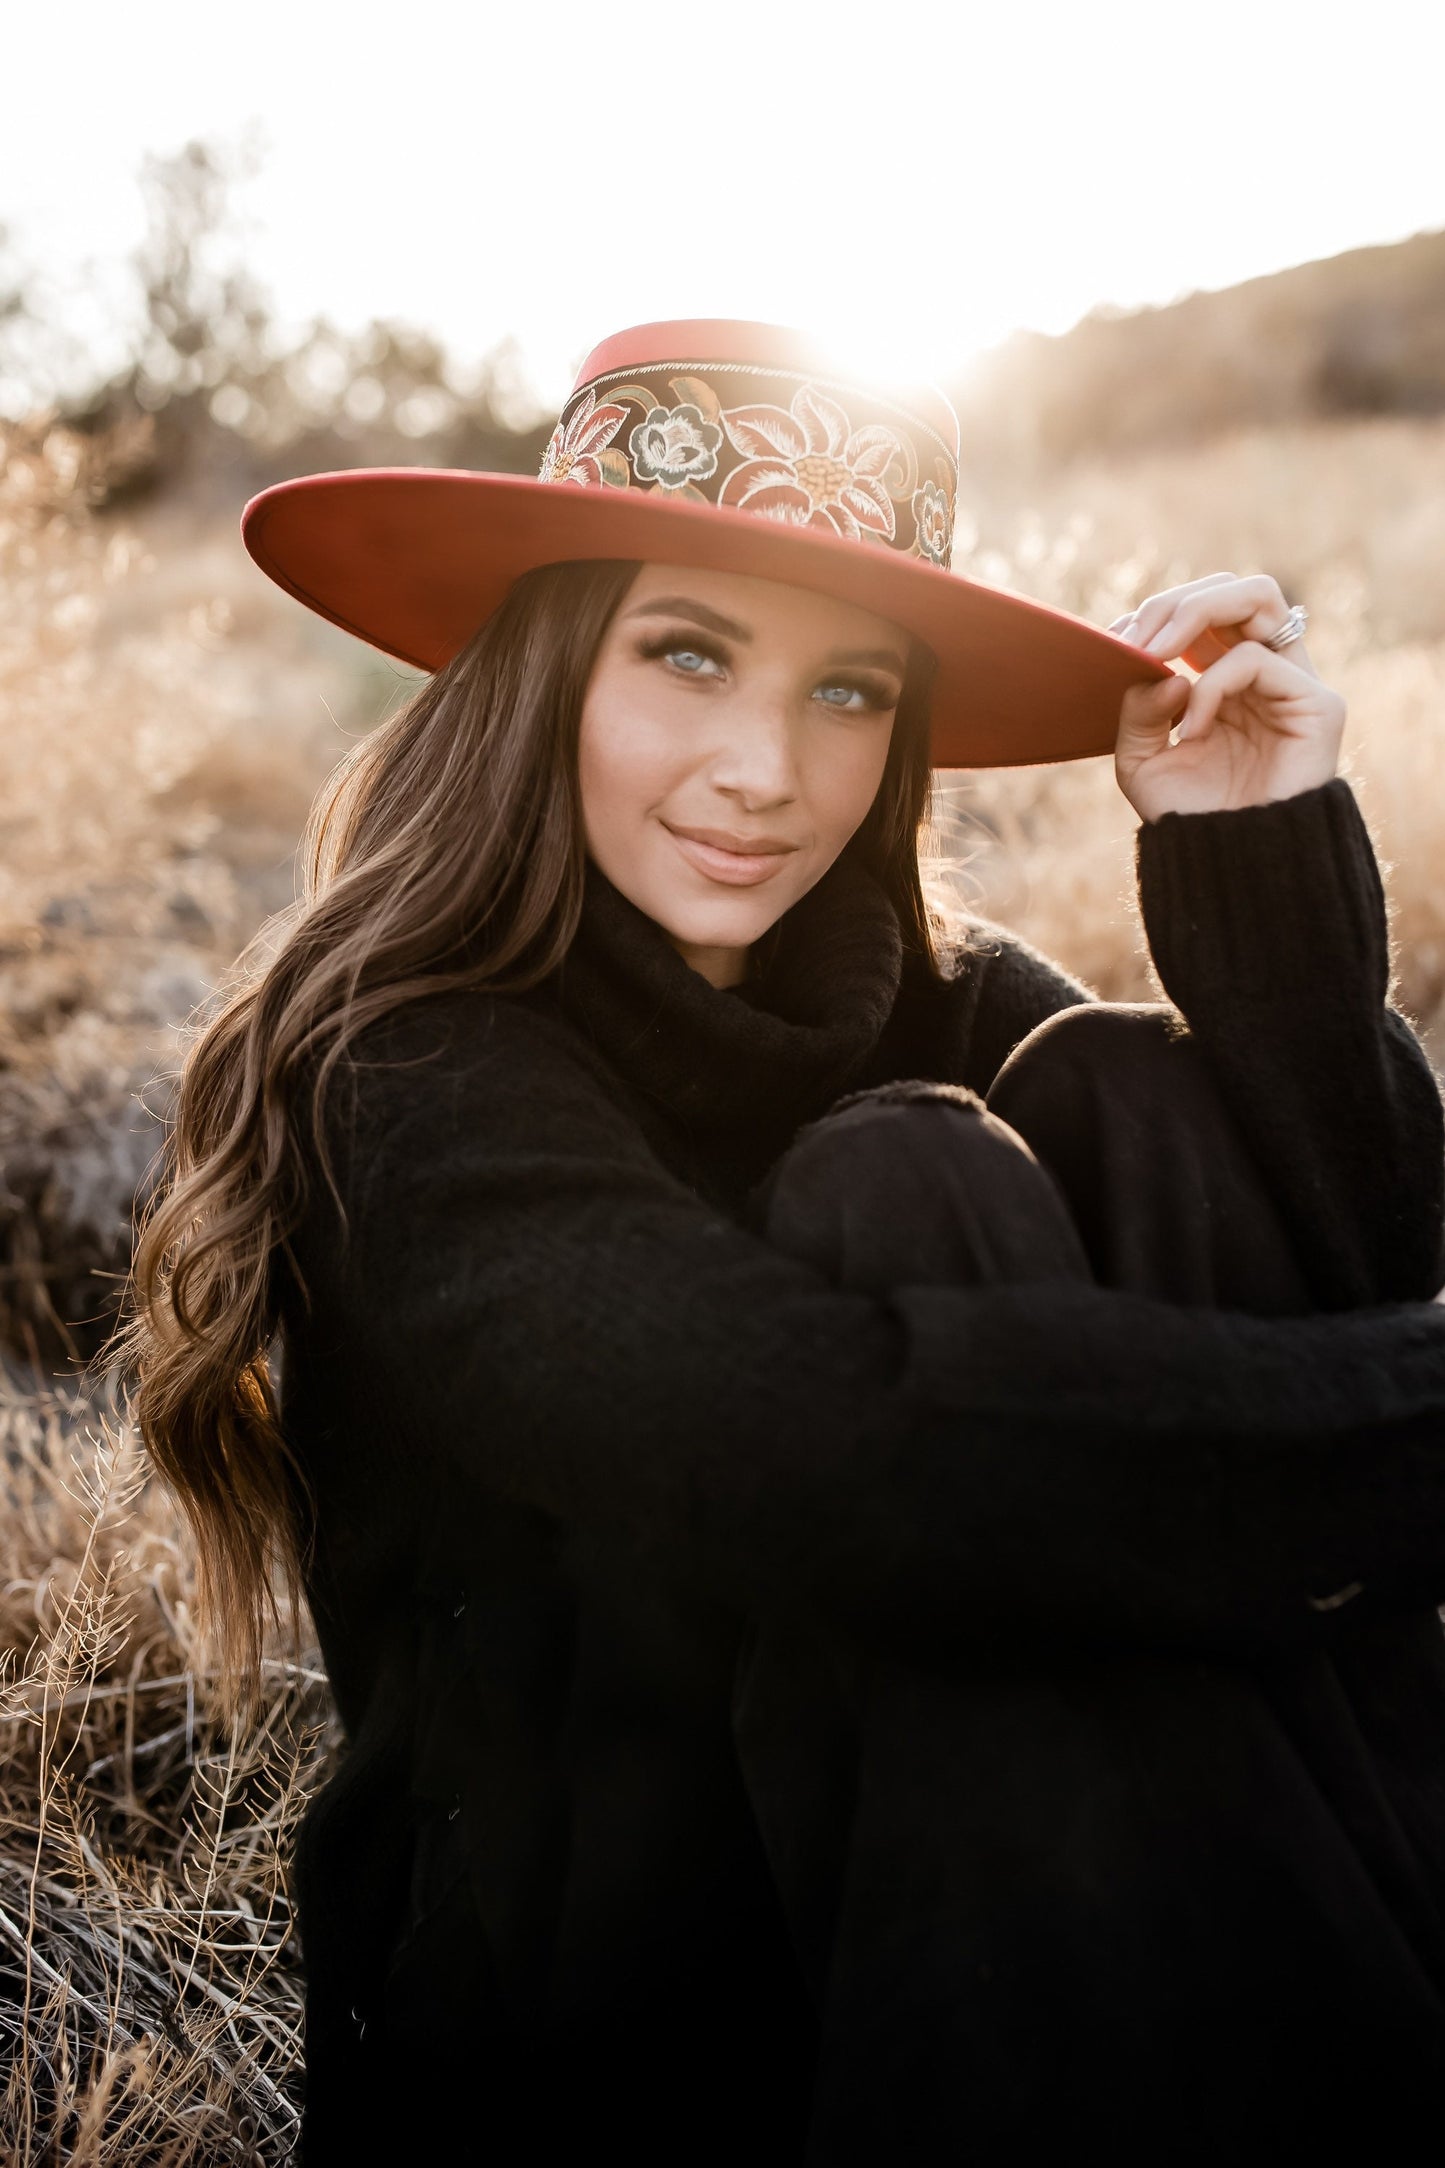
447, 850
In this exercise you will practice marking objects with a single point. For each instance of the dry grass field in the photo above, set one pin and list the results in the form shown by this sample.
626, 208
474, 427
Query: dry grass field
166, 719
151, 2007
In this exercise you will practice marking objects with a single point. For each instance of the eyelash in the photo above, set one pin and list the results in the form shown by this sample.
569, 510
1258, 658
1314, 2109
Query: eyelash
874, 694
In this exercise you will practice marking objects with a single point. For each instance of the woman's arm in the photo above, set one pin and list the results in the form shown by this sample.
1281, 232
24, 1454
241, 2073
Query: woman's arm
1266, 919
529, 1297
1267, 927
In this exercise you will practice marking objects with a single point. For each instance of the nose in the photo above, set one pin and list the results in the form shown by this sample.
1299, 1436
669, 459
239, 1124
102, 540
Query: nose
755, 759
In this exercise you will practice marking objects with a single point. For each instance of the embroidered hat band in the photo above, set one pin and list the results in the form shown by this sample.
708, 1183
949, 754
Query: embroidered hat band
777, 443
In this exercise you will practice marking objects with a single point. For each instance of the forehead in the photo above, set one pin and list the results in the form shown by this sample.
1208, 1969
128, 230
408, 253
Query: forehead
767, 609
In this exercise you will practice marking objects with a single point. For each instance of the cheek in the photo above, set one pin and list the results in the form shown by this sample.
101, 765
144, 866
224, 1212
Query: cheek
846, 783
623, 765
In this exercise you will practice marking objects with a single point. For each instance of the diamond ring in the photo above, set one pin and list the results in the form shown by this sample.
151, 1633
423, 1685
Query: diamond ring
1292, 628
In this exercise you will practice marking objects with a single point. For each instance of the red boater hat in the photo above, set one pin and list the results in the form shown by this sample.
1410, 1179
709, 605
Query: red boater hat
733, 446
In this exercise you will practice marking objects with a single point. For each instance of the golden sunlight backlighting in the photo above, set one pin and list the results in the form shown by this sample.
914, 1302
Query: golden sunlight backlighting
910, 183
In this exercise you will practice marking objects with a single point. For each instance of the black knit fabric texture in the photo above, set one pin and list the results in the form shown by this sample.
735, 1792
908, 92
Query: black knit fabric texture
572, 1424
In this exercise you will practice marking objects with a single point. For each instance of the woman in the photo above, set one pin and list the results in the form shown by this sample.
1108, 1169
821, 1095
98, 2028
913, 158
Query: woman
699, 1409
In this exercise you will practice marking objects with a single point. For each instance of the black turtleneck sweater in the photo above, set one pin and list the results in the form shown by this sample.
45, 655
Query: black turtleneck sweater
569, 1422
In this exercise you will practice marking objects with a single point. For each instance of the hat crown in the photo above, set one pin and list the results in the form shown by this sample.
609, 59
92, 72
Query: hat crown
758, 418
730, 339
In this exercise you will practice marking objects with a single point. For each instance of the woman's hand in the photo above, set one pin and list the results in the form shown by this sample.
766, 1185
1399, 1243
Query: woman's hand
1254, 726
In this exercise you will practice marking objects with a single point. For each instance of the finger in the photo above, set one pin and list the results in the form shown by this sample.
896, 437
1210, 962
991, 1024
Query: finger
1202, 653
1147, 716
1254, 603
1252, 608
1156, 609
1247, 664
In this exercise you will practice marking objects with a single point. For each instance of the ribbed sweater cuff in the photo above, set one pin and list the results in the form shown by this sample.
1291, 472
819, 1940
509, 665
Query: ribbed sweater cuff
1269, 906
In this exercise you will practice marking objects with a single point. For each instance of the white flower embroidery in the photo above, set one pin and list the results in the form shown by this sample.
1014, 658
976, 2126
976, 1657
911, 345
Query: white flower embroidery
675, 446
802, 463
930, 510
574, 454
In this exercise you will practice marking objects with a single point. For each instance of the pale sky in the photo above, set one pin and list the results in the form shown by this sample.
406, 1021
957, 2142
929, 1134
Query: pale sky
910, 178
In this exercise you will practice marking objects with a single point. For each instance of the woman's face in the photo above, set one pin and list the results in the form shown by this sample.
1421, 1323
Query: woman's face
734, 734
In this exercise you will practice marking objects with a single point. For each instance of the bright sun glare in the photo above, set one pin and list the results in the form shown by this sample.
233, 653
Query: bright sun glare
923, 184
897, 356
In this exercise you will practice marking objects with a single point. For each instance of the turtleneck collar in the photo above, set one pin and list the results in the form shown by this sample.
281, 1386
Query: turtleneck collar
740, 1068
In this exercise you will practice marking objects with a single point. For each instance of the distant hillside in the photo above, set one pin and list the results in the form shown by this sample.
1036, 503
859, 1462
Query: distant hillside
1361, 333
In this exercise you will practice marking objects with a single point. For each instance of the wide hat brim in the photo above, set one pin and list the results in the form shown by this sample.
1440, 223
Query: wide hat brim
413, 560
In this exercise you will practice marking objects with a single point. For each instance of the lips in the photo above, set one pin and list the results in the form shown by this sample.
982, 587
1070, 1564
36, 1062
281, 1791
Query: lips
735, 869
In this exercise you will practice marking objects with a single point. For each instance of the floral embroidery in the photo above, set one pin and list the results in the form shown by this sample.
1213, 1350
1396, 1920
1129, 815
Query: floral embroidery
930, 511
675, 446
578, 452
803, 464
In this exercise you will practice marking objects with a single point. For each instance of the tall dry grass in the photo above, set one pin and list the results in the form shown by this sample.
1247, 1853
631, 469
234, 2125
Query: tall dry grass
150, 2002
167, 717
164, 726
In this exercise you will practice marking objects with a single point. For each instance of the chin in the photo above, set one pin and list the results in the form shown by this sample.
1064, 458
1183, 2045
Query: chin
730, 923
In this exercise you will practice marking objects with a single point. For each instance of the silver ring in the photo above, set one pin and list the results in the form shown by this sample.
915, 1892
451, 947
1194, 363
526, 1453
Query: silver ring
1293, 628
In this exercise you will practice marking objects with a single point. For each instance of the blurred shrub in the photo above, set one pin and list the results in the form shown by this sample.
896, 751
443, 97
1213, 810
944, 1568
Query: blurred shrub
212, 395
166, 723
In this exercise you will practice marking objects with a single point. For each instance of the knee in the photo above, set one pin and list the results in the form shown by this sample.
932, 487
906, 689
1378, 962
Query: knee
1095, 1086
1122, 1052
896, 1109
915, 1181
871, 1149
889, 1130
1101, 1037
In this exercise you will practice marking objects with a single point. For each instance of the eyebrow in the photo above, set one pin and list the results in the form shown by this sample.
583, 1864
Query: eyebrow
683, 606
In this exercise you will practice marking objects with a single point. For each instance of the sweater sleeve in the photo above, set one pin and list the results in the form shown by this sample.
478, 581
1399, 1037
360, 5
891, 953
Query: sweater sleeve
530, 1296
1267, 927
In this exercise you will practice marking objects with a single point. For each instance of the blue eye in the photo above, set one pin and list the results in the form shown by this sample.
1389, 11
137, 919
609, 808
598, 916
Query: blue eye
691, 659
858, 699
